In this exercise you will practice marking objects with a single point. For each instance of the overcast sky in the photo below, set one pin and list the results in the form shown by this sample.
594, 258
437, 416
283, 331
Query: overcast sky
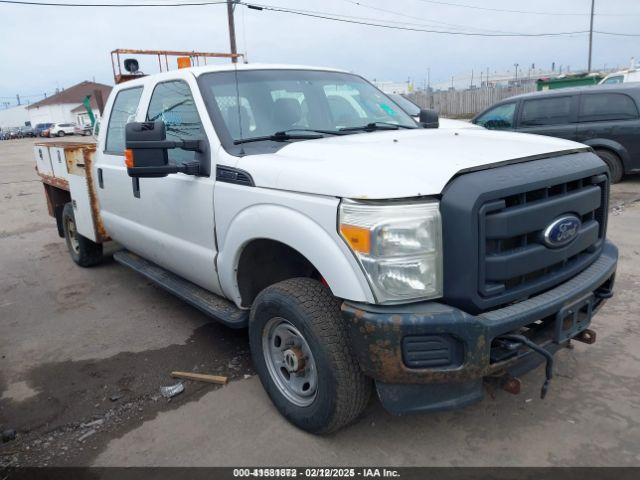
43, 48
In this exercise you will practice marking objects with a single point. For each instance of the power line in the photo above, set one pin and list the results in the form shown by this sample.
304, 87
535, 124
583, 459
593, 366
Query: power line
113, 5
329, 16
401, 14
528, 12
616, 34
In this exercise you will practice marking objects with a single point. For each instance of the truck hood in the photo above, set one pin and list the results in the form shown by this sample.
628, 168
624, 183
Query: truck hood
393, 164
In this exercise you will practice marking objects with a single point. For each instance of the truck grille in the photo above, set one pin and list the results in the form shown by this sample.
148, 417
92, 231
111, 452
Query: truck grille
513, 256
493, 222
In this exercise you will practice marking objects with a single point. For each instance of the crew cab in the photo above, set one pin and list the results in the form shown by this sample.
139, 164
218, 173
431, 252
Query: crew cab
360, 249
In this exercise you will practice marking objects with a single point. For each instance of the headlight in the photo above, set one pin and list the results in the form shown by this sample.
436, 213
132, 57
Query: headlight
398, 245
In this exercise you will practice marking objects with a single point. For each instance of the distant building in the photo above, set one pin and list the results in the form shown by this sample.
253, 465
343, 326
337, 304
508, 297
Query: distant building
14, 117
401, 88
66, 106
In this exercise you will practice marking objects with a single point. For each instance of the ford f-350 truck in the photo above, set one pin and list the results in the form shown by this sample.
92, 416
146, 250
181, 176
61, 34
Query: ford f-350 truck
361, 249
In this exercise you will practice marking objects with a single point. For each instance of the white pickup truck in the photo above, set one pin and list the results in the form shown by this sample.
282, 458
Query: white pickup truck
360, 248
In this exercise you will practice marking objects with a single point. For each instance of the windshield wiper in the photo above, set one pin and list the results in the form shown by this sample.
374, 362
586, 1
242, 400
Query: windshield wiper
370, 127
284, 136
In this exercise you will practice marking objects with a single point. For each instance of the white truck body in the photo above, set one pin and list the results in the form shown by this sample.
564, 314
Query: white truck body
198, 227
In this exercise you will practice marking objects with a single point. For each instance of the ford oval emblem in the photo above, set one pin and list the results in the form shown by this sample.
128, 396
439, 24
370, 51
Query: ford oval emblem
561, 231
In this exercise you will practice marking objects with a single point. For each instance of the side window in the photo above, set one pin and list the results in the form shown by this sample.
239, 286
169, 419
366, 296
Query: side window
172, 103
123, 111
606, 106
498, 118
546, 111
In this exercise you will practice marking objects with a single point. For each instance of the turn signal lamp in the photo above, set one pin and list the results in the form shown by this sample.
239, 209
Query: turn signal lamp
358, 238
128, 158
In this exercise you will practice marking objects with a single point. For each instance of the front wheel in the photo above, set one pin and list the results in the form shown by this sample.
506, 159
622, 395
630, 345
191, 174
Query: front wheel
303, 357
61, 133
83, 251
614, 163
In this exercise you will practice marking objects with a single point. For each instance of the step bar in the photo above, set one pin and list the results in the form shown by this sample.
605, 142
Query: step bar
210, 304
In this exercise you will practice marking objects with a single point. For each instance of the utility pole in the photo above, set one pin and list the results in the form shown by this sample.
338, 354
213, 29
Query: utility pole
593, 3
516, 65
232, 30
18, 98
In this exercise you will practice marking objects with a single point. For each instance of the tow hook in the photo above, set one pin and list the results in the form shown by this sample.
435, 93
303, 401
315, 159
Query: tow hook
603, 293
539, 350
587, 336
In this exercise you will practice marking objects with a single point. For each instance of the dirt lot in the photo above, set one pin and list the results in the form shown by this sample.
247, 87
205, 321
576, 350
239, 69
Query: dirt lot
84, 352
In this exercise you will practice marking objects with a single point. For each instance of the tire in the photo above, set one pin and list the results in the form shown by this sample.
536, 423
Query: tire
61, 133
341, 390
83, 251
614, 163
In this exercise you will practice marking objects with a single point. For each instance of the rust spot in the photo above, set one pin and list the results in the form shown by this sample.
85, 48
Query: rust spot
54, 181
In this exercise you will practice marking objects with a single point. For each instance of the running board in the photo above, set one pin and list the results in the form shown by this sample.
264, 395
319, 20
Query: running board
209, 303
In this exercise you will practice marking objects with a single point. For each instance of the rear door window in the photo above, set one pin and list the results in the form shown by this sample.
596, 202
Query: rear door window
606, 106
123, 111
498, 118
546, 111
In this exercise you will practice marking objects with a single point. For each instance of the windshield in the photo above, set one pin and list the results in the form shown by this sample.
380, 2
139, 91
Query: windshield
617, 79
407, 105
264, 102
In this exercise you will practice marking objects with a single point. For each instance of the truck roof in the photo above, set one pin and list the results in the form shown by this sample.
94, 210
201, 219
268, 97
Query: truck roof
257, 66
197, 71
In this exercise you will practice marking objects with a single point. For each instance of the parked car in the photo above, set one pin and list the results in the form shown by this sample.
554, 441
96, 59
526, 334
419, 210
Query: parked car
15, 133
27, 131
4, 135
82, 130
414, 110
605, 117
41, 127
623, 76
62, 129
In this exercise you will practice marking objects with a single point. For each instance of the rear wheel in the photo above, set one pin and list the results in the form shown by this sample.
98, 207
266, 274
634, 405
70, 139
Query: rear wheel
303, 357
61, 133
614, 163
83, 251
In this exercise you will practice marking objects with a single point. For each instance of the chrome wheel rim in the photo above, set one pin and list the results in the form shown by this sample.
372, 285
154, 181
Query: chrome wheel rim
290, 362
73, 235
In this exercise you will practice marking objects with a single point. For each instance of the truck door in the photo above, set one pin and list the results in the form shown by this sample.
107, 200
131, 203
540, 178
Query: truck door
549, 115
168, 220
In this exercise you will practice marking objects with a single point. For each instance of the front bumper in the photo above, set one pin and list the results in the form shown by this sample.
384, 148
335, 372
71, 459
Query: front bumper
464, 349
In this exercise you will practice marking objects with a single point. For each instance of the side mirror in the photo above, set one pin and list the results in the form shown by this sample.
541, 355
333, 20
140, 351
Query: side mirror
147, 147
429, 119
